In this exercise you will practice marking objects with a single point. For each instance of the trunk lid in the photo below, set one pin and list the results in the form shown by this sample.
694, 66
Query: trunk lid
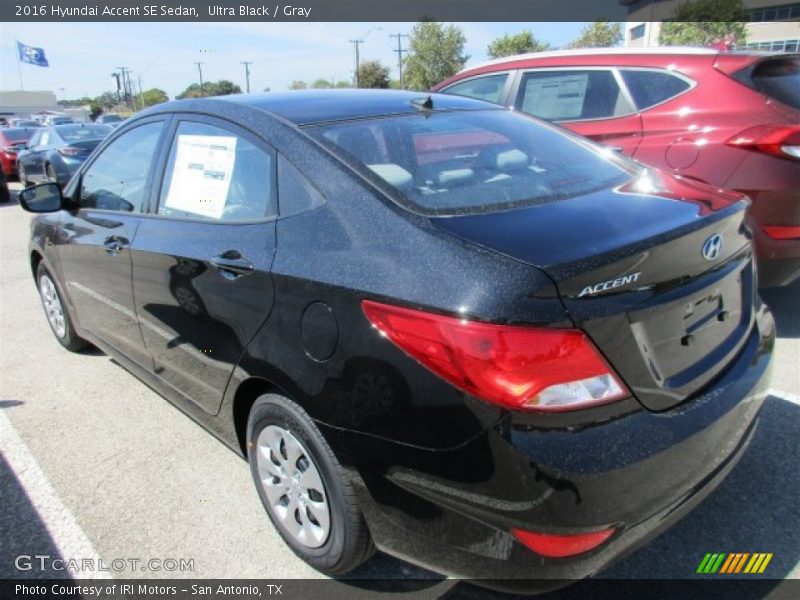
629, 266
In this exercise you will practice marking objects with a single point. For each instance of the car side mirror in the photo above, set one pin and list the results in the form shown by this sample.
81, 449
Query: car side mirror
43, 198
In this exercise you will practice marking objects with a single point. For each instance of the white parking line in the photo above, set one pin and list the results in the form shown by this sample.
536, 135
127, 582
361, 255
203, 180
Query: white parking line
788, 396
66, 534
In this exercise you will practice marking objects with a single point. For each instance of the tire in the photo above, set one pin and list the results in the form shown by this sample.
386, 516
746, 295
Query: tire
21, 176
281, 436
56, 312
51, 174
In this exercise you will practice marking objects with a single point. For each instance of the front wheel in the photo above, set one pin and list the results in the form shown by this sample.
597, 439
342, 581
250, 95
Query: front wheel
301, 484
56, 312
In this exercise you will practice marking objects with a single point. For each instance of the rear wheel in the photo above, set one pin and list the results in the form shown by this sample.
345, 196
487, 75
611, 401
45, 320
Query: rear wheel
56, 312
51, 174
21, 175
303, 488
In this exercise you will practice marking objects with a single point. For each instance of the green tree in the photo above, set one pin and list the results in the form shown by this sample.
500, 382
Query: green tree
600, 34
372, 74
435, 52
509, 45
223, 87
703, 22
154, 96
298, 85
322, 84
343, 83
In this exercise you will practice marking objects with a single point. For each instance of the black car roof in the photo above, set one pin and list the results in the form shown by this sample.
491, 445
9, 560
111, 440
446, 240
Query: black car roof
306, 107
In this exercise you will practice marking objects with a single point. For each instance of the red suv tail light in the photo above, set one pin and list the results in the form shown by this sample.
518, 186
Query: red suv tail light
523, 368
778, 140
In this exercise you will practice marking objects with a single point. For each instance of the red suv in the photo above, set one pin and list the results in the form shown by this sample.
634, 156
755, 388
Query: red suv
730, 119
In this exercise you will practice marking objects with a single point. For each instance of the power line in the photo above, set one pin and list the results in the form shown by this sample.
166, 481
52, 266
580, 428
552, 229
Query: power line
400, 51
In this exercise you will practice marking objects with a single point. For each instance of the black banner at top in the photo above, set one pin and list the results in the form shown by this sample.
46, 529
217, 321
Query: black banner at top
326, 10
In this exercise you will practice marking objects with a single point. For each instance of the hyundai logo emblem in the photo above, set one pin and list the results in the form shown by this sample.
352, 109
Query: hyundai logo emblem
712, 247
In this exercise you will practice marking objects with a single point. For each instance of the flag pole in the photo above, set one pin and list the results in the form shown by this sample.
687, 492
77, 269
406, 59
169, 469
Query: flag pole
19, 70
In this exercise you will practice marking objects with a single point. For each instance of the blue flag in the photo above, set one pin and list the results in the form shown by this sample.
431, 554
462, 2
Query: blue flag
32, 56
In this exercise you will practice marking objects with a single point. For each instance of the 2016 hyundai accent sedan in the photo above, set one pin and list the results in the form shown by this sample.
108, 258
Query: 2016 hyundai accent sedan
432, 325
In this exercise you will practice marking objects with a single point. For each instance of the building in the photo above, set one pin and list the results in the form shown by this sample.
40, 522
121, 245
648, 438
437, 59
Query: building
35, 105
773, 25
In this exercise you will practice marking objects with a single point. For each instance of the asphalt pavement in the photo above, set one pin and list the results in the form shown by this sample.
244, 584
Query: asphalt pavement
95, 465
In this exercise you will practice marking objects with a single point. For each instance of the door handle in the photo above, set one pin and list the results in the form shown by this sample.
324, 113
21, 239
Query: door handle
232, 264
114, 243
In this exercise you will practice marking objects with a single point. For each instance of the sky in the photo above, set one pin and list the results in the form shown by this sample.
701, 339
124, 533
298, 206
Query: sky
82, 56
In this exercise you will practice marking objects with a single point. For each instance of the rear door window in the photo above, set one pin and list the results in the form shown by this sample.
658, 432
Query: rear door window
778, 78
218, 174
572, 95
649, 88
488, 87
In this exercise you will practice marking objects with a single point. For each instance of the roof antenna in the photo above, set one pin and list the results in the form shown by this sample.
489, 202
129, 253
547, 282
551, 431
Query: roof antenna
423, 104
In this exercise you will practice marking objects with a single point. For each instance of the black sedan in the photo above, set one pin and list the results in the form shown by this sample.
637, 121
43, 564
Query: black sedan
55, 153
431, 325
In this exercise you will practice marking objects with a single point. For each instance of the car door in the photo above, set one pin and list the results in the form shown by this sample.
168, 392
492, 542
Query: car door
95, 257
589, 101
202, 260
34, 161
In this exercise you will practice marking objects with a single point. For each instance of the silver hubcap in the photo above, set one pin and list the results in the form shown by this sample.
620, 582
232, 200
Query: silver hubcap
52, 306
293, 486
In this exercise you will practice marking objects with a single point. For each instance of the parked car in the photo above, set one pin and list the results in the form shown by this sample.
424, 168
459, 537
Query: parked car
730, 119
55, 153
57, 120
12, 140
26, 123
110, 119
432, 325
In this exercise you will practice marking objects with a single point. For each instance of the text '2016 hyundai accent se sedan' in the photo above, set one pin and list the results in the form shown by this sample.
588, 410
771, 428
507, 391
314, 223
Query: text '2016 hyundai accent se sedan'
432, 325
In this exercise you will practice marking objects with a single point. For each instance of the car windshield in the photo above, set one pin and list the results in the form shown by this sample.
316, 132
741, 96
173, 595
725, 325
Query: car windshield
465, 162
17, 134
76, 133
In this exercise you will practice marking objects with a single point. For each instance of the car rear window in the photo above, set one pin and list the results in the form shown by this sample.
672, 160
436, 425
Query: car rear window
778, 78
17, 135
649, 88
76, 133
465, 162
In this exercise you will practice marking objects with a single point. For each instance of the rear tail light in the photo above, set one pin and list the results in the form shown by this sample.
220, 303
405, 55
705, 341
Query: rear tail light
561, 546
523, 368
70, 151
782, 232
782, 141
9, 150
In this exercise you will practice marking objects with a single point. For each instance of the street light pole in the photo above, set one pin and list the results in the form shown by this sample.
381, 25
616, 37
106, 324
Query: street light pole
246, 72
200, 70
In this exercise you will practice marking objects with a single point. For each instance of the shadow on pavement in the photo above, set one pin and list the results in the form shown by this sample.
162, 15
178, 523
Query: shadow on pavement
785, 305
22, 532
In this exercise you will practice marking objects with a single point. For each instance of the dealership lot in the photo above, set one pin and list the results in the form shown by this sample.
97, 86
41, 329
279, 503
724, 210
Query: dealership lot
97, 466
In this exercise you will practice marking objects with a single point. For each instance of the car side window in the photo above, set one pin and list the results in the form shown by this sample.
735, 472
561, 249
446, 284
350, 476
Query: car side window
214, 173
572, 95
649, 88
117, 179
296, 194
489, 88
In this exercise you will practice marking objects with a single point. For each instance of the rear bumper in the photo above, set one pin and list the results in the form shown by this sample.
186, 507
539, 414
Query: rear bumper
639, 472
778, 260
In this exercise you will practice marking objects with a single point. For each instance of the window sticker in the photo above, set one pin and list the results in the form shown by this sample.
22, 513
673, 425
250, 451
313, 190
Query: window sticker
556, 97
201, 177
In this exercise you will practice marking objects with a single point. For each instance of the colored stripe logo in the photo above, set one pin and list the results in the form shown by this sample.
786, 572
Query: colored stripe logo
725, 563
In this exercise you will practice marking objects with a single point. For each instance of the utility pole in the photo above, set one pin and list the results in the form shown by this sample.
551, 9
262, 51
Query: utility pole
141, 94
200, 70
400, 51
126, 85
247, 64
116, 76
356, 43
